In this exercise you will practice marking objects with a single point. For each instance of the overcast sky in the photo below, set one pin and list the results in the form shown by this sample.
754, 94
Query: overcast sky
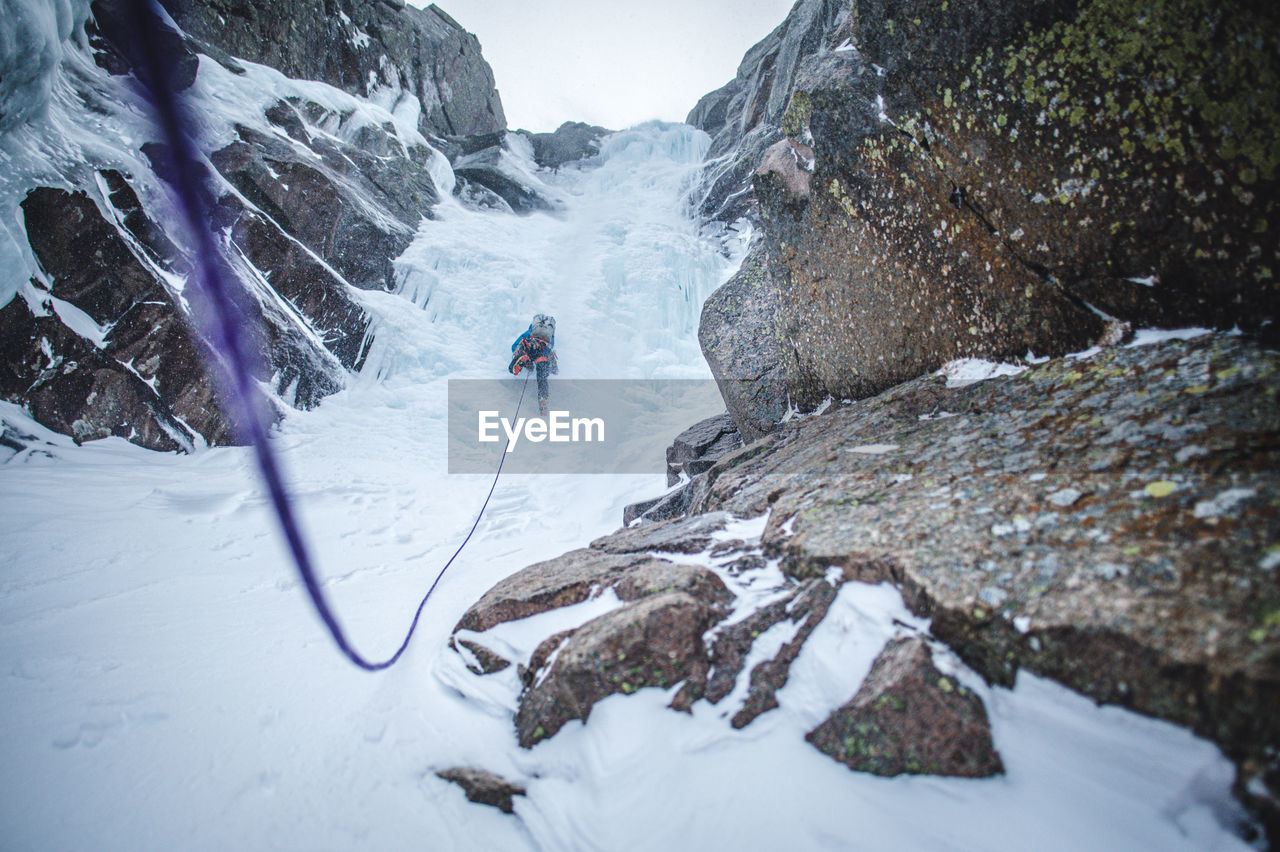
614, 63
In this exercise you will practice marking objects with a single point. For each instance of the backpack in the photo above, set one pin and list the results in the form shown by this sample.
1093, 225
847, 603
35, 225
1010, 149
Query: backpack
543, 327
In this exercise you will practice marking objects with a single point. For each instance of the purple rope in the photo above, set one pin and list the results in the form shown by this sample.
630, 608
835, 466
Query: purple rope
232, 358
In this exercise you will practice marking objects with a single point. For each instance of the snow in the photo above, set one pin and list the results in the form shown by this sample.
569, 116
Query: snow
164, 683
966, 371
872, 449
1149, 336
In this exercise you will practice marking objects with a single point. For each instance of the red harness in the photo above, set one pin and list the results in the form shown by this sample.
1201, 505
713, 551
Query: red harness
537, 349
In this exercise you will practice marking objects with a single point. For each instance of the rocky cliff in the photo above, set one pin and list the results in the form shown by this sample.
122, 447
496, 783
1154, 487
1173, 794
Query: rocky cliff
929, 182
959, 180
318, 188
417, 62
1107, 520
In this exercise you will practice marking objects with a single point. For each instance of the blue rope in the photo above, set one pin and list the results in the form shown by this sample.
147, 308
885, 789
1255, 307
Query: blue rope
231, 360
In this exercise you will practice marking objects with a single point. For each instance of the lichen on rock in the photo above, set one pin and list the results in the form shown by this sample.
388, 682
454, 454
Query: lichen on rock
908, 717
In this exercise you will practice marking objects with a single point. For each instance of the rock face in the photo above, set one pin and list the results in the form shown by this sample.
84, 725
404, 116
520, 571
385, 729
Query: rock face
909, 717
139, 383
575, 576
387, 52
1107, 522
484, 788
700, 446
691, 454
486, 169
572, 141
683, 535
315, 196
743, 117
739, 339
329, 194
972, 181
497, 171
656, 641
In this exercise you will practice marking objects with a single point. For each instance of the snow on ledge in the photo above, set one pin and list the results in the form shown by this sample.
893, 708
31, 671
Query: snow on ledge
1148, 336
966, 371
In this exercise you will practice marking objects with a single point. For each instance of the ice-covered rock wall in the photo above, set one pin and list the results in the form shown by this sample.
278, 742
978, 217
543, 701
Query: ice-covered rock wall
417, 63
32, 39
318, 190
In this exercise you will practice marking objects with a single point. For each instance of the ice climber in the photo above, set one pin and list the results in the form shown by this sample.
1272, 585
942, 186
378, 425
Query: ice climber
537, 347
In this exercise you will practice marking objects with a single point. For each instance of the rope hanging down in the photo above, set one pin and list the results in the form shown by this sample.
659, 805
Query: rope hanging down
231, 361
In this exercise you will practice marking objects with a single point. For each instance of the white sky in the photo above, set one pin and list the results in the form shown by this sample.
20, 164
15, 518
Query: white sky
613, 64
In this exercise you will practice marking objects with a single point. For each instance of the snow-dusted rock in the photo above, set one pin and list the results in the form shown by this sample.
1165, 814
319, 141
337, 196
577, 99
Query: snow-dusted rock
417, 62
744, 116
680, 535
1132, 593
579, 574
571, 142
104, 352
656, 641
316, 191
484, 787
910, 718
497, 164
691, 454
701, 445
803, 606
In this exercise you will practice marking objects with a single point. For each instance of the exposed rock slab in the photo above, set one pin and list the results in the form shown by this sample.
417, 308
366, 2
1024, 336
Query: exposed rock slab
1108, 522
877, 280
656, 641
738, 336
484, 787
983, 177
681, 535
571, 142
575, 576
700, 446
1018, 117
908, 717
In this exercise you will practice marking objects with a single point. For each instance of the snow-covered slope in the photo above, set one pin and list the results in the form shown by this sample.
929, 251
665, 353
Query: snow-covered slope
165, 684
